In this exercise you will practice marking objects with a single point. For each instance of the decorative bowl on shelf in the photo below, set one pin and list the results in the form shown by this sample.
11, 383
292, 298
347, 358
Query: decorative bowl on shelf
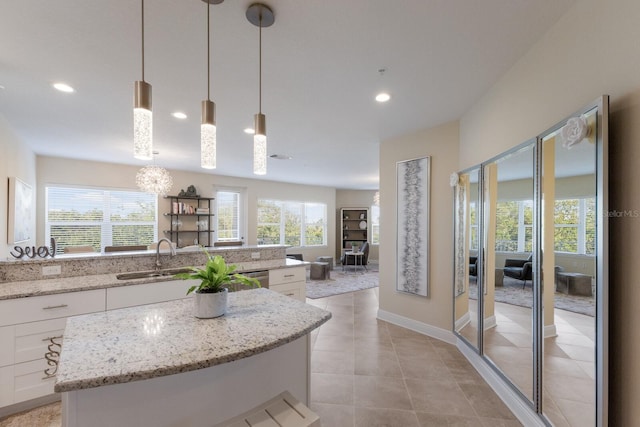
363, 225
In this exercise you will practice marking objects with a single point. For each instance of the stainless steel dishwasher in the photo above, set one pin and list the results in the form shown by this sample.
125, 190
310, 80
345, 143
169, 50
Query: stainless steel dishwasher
261, 275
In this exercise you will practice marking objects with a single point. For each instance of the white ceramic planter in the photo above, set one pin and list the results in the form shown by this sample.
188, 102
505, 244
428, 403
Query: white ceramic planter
207, 306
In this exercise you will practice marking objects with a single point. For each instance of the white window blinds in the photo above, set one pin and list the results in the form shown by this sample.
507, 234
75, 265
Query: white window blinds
99, 217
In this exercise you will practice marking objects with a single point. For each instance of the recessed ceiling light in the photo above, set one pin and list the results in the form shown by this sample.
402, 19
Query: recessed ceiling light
281, 157
179, 115
63, 87
383, 97
250, 131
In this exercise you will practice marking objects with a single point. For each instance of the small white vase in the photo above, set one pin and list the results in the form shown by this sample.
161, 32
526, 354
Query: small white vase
207, 305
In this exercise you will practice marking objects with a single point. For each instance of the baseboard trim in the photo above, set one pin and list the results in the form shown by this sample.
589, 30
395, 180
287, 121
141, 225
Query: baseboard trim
420, 327
490, 322
550, 331
28, 404
525, 414
463, 321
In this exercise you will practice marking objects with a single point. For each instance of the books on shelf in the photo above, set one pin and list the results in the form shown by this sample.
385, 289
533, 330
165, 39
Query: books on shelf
179, 208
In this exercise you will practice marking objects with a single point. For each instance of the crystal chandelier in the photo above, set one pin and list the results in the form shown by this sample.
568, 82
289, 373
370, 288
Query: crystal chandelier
142, 116
154, 179
260, 15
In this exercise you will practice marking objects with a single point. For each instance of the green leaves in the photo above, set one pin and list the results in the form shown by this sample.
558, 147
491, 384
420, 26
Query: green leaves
216, 276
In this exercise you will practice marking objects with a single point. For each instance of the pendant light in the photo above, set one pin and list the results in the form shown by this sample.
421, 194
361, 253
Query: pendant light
260, 15
154, 179
208, 127
142, 116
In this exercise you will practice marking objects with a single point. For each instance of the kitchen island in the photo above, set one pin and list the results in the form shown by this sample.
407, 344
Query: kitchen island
158, 365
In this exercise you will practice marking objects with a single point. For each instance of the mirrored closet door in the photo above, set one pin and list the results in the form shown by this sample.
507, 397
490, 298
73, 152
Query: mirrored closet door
536, 309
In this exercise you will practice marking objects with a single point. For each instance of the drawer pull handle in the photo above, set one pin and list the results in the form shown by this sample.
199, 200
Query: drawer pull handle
52, 356
52, 338
289, 275
51, 307
290, 295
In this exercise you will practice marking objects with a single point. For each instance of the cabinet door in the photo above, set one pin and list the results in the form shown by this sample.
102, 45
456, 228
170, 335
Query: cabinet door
148, 293
7, 350
30, 380
6, 385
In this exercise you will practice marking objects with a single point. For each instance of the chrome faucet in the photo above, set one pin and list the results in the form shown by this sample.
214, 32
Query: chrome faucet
173, 251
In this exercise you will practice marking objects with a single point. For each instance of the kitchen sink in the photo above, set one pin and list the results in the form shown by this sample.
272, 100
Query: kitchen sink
150, 274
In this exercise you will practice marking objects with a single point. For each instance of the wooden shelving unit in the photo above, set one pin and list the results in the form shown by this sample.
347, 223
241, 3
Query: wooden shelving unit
354, 226
191, 218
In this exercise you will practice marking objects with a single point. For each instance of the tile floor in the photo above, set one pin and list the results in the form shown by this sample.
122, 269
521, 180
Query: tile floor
369, 373
569, 365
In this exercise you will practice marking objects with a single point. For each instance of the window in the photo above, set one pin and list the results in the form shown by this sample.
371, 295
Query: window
575, 225
228, 216
291, 223
514, 226
574, 229
375, 225
99, 217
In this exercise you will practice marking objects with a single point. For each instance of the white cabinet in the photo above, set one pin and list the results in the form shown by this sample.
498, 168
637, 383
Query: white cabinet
31, 331
289, 281
31, 335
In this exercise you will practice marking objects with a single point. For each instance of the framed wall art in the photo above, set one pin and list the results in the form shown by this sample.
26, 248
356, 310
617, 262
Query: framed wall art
20, 211
412, 263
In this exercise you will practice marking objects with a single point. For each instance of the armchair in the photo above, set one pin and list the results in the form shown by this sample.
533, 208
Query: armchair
348, 259
520, 269
473, 266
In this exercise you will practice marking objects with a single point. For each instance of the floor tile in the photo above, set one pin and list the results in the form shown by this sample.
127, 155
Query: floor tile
381, 392
332, 388
376, 417
442, 397
334, 415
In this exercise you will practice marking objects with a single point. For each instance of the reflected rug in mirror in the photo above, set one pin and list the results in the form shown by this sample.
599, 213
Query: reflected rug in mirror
342, 282
512, 293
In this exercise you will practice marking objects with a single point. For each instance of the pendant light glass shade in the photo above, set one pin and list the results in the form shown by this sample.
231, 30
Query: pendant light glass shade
208, 135
260, 145
142, 122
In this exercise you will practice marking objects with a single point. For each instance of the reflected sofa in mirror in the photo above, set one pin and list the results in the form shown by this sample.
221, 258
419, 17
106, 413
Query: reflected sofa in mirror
544, 202
466, 257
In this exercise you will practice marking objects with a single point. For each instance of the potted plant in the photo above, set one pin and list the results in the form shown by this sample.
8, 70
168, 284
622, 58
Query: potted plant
216, 280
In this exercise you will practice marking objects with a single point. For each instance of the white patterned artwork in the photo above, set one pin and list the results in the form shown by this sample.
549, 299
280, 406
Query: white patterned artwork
412, 266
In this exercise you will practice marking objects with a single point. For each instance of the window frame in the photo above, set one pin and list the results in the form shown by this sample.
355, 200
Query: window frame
242, 212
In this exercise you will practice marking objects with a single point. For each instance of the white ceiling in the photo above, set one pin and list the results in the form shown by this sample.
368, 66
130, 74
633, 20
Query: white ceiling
320, 74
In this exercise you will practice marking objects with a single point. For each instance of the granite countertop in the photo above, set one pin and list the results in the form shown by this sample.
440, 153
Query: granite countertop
143, 342
30, 288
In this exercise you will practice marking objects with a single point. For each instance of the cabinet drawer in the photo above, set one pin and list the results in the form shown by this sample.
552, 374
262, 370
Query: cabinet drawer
287, 275
30, 380
33, 309
7, 350
147, 293
32, 339
294, 290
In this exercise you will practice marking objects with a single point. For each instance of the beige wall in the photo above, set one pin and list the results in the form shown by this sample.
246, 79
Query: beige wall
353, 199
441, 144
17, 160
591, 51
54, 170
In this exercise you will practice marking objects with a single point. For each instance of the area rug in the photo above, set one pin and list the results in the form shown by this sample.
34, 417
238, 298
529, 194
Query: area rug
512, 293
342, 282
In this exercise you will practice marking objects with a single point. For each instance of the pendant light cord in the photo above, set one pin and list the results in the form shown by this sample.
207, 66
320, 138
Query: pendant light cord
142, 26
260, 67
208, 56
